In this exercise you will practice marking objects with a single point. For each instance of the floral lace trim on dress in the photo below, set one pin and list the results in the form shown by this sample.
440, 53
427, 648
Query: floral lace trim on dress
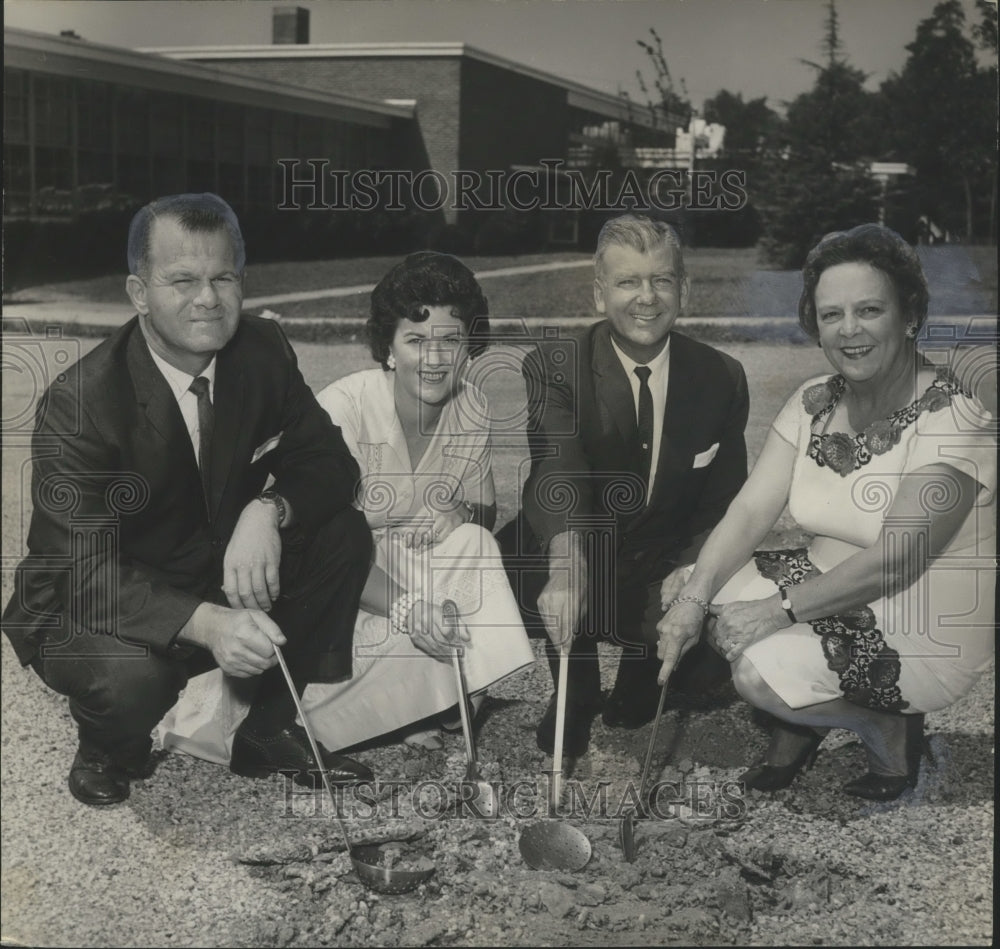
854, 647
845, 453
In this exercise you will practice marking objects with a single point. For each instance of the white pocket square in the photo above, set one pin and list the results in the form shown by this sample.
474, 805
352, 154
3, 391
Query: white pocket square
267, 446
704, 458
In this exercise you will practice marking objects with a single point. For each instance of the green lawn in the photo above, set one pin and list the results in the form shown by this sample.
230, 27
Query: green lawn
963, 280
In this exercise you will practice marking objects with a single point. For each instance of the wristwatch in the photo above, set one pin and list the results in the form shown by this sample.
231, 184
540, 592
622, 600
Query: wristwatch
786, 603
270, 496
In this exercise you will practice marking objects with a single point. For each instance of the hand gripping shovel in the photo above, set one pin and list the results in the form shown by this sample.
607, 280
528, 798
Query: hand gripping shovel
485, 803
626, 827
553, 844
372, 865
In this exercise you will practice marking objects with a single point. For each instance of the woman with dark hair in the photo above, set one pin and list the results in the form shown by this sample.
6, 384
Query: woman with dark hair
420, 433
892, 466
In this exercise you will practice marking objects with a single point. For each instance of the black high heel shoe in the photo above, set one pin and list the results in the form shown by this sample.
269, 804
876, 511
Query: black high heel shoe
773, 777
887, 787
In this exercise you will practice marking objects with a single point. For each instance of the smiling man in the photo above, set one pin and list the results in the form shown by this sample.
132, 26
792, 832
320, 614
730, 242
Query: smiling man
637, 448
157, 549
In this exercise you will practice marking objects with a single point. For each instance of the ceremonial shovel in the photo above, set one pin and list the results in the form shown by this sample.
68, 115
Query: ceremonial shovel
626, 828
553, 844
486, 803
372, 865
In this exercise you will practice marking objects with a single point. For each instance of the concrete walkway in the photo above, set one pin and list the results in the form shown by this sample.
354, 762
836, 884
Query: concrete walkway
70, 311
79, 315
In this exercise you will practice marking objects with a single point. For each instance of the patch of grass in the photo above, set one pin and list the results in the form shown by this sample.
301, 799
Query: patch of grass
724, 282
285, 276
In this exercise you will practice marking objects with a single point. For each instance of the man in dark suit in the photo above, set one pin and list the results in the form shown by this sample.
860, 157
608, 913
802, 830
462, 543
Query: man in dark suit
637, 448
154, 550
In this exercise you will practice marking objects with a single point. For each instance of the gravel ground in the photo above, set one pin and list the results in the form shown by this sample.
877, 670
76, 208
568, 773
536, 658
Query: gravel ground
200, 857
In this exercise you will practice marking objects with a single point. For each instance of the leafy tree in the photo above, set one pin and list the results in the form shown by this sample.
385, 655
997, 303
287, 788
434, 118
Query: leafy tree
943, 108
985, 31
751, 127
820, 180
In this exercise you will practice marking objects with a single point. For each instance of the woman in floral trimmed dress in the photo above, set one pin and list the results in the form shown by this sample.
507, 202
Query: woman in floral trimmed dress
889, 612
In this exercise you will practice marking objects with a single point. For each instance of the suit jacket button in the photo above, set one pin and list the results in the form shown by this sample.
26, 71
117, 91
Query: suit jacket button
216, 542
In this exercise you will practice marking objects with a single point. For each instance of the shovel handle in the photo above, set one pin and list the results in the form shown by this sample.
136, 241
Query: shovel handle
313, 746
450, 611
557, 751
652, 741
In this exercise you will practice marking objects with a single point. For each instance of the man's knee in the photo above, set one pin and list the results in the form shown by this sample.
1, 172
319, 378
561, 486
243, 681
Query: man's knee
340, 546
347, 536
140, 687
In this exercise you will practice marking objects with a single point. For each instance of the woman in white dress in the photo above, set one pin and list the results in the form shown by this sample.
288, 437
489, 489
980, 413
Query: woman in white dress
421, 435
892, 465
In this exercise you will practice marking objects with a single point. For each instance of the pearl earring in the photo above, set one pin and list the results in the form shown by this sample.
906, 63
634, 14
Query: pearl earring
391, 361
911, 331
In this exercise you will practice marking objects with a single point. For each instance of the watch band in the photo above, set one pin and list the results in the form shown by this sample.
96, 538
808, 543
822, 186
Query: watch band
270, 496
786, 604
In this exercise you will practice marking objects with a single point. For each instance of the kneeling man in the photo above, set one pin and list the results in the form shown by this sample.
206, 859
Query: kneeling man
637, 448
157, 546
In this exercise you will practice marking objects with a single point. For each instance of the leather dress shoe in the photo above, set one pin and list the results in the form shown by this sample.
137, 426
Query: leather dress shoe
258, 757
95, 779
576, 734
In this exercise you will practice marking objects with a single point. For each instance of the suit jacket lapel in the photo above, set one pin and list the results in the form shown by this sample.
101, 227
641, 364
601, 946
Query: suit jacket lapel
154, 395
229, 410
679, 414
613, 391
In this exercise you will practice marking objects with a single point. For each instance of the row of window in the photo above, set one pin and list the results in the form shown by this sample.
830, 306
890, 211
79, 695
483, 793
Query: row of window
107, 139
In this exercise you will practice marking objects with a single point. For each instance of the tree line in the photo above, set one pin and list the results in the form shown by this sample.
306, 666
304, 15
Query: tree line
809, 171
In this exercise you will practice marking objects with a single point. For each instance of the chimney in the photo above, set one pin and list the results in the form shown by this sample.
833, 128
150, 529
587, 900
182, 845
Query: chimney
290, 25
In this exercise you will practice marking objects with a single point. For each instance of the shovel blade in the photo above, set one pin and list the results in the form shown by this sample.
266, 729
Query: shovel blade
486, 802
553, 845
382, 878
626, 836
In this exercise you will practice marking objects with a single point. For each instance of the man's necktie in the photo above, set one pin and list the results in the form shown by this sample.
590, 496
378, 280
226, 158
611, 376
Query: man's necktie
206, 424
645, 421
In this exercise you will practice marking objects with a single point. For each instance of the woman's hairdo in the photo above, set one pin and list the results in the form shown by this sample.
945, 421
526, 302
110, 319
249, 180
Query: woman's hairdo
877, 246
424, 279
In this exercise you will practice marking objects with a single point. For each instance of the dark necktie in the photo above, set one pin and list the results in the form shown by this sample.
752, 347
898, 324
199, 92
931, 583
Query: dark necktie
645, 421
206, 424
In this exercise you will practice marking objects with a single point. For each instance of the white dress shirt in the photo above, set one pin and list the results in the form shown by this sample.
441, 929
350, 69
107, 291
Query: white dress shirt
180, 385
659, 372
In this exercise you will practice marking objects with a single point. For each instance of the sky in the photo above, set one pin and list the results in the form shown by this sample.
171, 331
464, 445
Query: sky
755, 47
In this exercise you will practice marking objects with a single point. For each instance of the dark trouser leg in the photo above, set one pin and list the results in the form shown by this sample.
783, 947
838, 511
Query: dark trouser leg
116, 699
699, 672
322, 576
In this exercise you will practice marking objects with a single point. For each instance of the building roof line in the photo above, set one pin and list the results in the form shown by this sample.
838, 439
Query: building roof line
580, 95
34, 43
